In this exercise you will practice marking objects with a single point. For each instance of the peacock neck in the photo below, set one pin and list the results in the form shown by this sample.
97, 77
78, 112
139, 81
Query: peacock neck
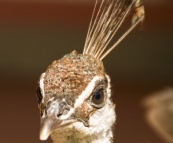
76, 137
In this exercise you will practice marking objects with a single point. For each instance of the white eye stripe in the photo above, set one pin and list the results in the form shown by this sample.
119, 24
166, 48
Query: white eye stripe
42, 85
87, 92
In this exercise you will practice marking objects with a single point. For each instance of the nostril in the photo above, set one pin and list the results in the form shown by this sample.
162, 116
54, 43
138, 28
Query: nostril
62, 109
59, 114
63, 112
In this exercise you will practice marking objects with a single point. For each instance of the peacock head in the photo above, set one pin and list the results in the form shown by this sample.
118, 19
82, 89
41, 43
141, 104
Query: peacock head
74, 93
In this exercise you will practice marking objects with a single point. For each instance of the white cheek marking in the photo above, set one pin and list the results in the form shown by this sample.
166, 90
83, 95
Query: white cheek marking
108, 89
87, 92
42, 84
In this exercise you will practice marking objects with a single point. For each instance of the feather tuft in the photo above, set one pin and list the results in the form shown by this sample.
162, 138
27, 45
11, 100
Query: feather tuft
107, 17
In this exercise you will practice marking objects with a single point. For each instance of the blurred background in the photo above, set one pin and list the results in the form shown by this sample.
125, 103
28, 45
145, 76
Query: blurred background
33, 33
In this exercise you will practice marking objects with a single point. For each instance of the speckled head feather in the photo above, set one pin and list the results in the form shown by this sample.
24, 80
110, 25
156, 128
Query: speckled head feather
71, 74
74, 95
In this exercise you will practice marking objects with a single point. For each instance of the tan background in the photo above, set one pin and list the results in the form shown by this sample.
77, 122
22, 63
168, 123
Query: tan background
33, 34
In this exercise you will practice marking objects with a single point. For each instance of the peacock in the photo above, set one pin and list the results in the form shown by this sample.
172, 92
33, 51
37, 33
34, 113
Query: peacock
74, 93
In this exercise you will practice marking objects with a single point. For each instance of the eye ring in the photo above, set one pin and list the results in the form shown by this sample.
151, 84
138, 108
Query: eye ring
97, 99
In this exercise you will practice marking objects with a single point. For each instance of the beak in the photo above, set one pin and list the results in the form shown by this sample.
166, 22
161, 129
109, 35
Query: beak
57, 117
48, 125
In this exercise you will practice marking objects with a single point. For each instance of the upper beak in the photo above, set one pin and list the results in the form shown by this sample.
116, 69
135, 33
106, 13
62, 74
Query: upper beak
53, 122
48, 125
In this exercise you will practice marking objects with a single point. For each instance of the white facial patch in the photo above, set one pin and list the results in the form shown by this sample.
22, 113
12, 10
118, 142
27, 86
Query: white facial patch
87, 92
42, 84
108, 89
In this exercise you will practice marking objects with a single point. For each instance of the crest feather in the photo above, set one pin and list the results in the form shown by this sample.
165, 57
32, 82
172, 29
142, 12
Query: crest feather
107, 17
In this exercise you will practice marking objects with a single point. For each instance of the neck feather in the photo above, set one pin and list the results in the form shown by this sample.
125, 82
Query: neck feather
72, 136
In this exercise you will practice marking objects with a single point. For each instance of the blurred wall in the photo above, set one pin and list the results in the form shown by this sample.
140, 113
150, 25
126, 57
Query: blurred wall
33, 34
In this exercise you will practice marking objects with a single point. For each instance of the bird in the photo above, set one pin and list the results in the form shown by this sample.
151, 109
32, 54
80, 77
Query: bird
74, 93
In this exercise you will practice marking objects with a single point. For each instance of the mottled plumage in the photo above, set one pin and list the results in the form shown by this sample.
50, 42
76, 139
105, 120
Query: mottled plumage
71, 74
74, 95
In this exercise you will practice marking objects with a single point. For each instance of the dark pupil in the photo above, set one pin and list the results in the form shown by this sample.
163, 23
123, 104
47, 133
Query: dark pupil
97, 95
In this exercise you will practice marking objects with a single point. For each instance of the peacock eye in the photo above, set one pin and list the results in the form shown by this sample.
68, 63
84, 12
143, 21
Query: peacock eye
38, 93
98, 98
